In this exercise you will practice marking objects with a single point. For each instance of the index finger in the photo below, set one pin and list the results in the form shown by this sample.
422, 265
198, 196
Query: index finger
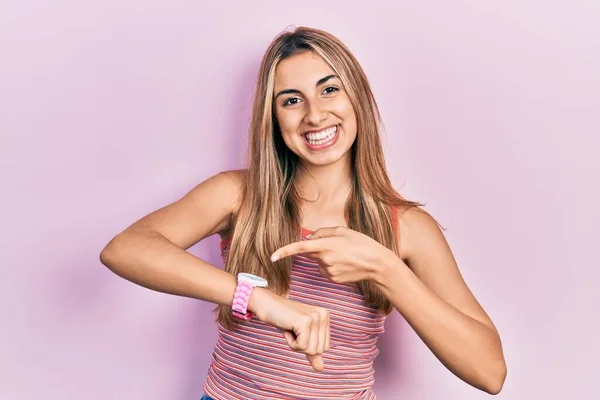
306, 246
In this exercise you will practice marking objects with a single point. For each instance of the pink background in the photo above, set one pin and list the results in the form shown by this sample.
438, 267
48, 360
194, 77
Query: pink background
111, 109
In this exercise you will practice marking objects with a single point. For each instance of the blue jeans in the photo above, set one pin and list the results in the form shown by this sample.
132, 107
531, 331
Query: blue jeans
206, 398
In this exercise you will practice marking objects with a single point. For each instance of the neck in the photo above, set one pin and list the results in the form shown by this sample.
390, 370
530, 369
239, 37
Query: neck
325, 184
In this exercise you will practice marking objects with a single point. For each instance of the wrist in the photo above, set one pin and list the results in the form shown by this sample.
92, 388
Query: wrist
246, 285
382, 270
257, 301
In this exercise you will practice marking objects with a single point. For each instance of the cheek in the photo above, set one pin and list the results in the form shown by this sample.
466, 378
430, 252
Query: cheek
288, 123
287, 127
283, 119
345, 111
341, 106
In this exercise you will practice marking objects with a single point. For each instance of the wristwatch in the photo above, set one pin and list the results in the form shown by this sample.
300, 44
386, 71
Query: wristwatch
245, 284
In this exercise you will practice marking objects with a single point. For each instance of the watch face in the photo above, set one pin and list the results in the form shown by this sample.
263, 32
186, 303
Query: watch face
255, 280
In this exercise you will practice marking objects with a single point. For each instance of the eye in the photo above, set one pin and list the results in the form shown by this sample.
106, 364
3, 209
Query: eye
330, 89
290, 101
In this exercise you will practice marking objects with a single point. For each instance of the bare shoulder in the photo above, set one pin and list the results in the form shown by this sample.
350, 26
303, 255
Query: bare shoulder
204, 211
225, 190
227, 185
418, 232
236, 176
233, 188
416, 218
224, 187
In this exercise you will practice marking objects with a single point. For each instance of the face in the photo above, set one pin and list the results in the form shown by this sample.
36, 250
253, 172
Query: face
314, 113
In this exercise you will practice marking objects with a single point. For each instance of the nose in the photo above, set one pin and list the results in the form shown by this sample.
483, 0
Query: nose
315, 114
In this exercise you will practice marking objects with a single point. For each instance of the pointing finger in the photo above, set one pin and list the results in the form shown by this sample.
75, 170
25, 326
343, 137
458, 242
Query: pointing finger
305, 246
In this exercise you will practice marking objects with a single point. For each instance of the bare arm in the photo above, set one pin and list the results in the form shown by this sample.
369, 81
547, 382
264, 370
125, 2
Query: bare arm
152, 251
434, 299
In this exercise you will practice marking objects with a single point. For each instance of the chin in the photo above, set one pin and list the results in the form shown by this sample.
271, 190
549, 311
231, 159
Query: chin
325, 159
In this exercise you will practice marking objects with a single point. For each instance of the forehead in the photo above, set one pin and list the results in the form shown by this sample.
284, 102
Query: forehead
301, 71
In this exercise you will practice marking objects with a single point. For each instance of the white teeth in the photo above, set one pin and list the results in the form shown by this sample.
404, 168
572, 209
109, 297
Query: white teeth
321, 137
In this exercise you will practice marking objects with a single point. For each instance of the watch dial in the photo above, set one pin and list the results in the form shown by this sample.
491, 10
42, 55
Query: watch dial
255, 280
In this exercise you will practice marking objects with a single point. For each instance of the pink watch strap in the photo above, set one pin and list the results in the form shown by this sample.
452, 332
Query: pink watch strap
239, 308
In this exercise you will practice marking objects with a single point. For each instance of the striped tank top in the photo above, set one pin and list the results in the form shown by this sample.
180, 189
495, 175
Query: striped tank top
254, 361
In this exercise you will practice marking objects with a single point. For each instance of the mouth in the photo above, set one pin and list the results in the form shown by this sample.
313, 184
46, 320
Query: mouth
323, 138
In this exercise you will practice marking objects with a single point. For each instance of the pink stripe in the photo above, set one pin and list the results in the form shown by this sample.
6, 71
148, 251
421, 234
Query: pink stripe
254, 361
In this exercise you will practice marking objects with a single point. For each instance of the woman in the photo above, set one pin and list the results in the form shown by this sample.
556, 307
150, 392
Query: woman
318, 246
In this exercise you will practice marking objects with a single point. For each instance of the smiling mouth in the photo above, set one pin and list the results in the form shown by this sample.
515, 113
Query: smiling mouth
323, 137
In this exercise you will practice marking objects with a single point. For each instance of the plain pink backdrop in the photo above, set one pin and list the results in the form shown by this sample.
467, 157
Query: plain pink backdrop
111, 109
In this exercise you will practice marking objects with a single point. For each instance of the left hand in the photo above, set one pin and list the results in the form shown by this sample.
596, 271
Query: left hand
344, 255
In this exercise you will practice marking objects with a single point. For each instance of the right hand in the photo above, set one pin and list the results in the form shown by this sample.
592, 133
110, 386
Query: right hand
305, 327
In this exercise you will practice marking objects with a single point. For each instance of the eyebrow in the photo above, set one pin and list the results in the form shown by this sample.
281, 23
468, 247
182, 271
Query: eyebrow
319, 83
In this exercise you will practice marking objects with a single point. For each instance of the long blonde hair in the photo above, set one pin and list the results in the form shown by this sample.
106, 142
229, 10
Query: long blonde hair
269, 213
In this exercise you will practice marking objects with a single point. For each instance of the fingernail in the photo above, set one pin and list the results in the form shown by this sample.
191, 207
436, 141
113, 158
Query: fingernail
274, 257
309, 235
